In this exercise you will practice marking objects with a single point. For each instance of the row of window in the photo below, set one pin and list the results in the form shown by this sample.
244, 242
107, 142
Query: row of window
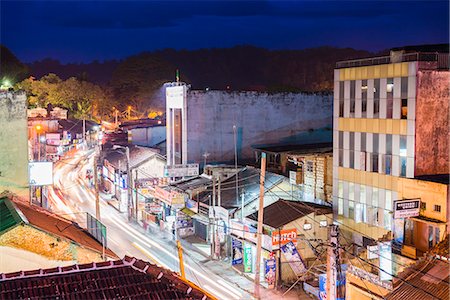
357, 106
372, 142
436, 208
373, 162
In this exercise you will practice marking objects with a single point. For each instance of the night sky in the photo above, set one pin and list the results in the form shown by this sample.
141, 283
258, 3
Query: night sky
81, 31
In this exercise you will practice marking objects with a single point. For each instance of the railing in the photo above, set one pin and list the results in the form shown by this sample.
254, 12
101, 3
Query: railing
441, 60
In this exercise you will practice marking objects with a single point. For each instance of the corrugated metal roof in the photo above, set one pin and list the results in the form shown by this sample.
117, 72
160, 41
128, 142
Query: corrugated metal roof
429, 278
9, 218
283, 212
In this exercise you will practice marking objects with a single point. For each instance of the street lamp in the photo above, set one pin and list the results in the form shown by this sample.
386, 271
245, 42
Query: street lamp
129, 192
237, 173
38, 131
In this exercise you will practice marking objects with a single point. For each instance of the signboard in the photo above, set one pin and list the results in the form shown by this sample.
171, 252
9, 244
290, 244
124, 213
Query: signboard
172, 198
284, 236
294, 259
237, 252
181, 170
270, 266
40, 173
96, 229
385, 260
406, 208
175, 96
248, 259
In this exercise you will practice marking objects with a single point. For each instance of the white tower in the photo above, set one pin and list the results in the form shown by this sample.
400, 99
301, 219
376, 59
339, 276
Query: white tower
176, 123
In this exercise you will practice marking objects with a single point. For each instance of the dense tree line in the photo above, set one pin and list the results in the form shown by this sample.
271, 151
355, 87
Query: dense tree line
137, 80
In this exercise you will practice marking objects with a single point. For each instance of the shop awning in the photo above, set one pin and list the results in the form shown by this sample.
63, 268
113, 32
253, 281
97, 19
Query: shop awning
188, 212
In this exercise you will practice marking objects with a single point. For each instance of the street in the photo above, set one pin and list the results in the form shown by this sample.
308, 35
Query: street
71, 197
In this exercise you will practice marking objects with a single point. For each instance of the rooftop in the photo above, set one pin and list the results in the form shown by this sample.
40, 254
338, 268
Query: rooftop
297, 149
138, 155
129, 278
425, 53
439, 178
283, 212
248, 184
18, 212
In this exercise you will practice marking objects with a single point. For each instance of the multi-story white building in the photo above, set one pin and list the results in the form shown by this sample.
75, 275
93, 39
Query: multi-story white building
391, 120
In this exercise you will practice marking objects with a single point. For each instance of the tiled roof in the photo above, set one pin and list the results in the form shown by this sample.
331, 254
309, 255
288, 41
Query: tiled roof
129, 278
61, 227
283, 212
429, 278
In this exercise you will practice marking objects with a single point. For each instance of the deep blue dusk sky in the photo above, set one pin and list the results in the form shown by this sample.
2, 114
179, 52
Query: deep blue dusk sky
75, 31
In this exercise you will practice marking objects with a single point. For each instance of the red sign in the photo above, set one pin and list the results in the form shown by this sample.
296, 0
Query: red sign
284, 236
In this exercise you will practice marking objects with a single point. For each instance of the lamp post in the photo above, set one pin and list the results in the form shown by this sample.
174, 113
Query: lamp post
129, 184
236, 169
38, 131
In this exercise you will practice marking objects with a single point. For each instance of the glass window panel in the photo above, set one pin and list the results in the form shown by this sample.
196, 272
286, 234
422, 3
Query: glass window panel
362, 190
388, 143
341, 140
340, 206
404, 109
375, 140
403, 145
402, 166
389, 97
404, 87
363, 141
376, 98
364, 98
351, 210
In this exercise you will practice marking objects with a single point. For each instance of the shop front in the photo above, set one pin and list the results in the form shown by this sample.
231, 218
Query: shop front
172, 201
243, 241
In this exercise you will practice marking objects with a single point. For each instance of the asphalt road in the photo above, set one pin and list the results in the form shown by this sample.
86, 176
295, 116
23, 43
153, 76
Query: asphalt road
72, 196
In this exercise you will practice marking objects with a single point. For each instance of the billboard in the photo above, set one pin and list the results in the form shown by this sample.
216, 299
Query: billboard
237, 252
294, 259
40, 173
406, 208
181, 170
270, 266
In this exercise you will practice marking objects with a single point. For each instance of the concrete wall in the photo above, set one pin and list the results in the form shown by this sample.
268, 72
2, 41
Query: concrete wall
13, 142
432, 123
148, 136
260, 118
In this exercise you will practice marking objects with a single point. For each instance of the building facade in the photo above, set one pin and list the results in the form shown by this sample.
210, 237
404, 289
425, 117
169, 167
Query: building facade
391, 120
209, 125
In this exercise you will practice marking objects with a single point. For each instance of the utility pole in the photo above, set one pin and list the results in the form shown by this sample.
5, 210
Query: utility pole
213, 220
129, 184
180, 257
136, 203
235, 164
333, 262
242, 205
260, 223
97, 198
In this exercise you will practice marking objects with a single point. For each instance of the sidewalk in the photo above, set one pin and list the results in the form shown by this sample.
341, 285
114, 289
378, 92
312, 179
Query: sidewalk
223, 268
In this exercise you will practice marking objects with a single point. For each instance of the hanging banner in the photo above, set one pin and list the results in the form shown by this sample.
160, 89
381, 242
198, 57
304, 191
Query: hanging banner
270, 266
294, 259
385, 260
248, 259
237, 252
